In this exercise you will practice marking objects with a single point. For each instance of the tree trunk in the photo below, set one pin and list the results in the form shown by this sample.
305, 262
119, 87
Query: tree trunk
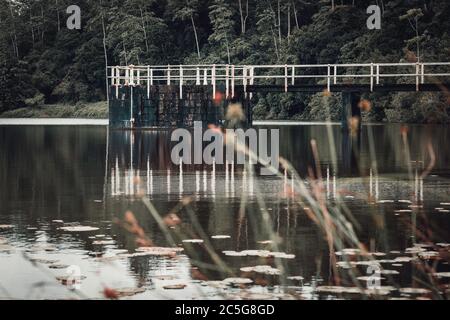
57, 16
295, 16
196, 37
145, 31
106, 57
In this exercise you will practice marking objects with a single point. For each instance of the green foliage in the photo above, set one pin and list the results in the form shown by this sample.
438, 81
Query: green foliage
41, 61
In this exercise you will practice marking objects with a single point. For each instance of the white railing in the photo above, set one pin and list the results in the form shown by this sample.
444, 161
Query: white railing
289, 75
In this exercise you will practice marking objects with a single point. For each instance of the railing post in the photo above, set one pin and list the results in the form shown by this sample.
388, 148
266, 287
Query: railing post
293, 76
127, 76
197, 76
422, 73
285, 78
168, 75
181, 81
417, 76
227, 84
232, 80
151, 77
213, 76
335, 74
244, 79
131, 76
378, 74
138, 77
117, 81
329, 78
205, 77
252, 79
148, 82
371, 77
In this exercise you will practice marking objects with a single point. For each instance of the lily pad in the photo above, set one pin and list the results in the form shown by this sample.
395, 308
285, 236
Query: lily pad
193, 241
296, 278
218, 237
237, 281
127, 292
442, 274
58, 266
414, 291
79, 229
175, 286
262, 269
6, 226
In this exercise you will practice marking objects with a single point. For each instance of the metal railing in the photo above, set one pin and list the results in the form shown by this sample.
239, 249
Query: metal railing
230, 76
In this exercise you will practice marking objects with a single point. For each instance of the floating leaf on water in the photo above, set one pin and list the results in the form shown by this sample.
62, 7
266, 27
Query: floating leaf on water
429, 255
415, 250
348, 252
265, 242
165, 277
445, 203
386, 261
442, 274
386, 201
370, 278
283, 255
389, 272
58, 266
127, 292
98, 201
397, 265
257, 253
193, 241
405, 201
58, 221
70, 279
395, 252
32, 228
42, 261
403, 211
404, 259
262, 269
296, 278
234, 254
245, 295
444, 245
344, 264
218, 237
175, 286
100, 236
414, 291
338, 289
79, 229
238, 281
367, 263
6, 226
103, 242
157, 251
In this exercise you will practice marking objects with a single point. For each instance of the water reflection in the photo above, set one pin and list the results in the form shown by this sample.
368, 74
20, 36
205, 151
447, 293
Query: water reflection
93, 176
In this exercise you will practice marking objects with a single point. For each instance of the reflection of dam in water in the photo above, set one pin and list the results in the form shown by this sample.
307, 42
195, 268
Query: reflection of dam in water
139, 164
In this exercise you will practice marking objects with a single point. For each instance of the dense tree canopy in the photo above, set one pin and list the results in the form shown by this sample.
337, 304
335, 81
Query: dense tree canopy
41, 58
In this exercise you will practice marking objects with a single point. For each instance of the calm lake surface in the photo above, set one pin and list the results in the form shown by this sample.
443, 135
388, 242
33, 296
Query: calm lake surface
395, 195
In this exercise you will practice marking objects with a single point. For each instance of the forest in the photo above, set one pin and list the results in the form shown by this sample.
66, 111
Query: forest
43, 62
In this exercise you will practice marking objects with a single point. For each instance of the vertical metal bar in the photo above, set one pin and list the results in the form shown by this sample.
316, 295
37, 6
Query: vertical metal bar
205, 77
213, 76
422, 73
232, 80
329, 78
371, 77
138, 77
197, 80
168, 75
117, 82
227, 81
285, 78
417, 76
293, 76
127, 76
181, 82
378, 74
335, 74
148, 82
151, 77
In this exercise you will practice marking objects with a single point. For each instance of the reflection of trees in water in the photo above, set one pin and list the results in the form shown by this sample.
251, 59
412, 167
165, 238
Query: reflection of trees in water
58, 170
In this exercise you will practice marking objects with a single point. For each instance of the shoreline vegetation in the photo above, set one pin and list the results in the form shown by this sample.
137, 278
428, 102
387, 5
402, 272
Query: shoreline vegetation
92, 110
